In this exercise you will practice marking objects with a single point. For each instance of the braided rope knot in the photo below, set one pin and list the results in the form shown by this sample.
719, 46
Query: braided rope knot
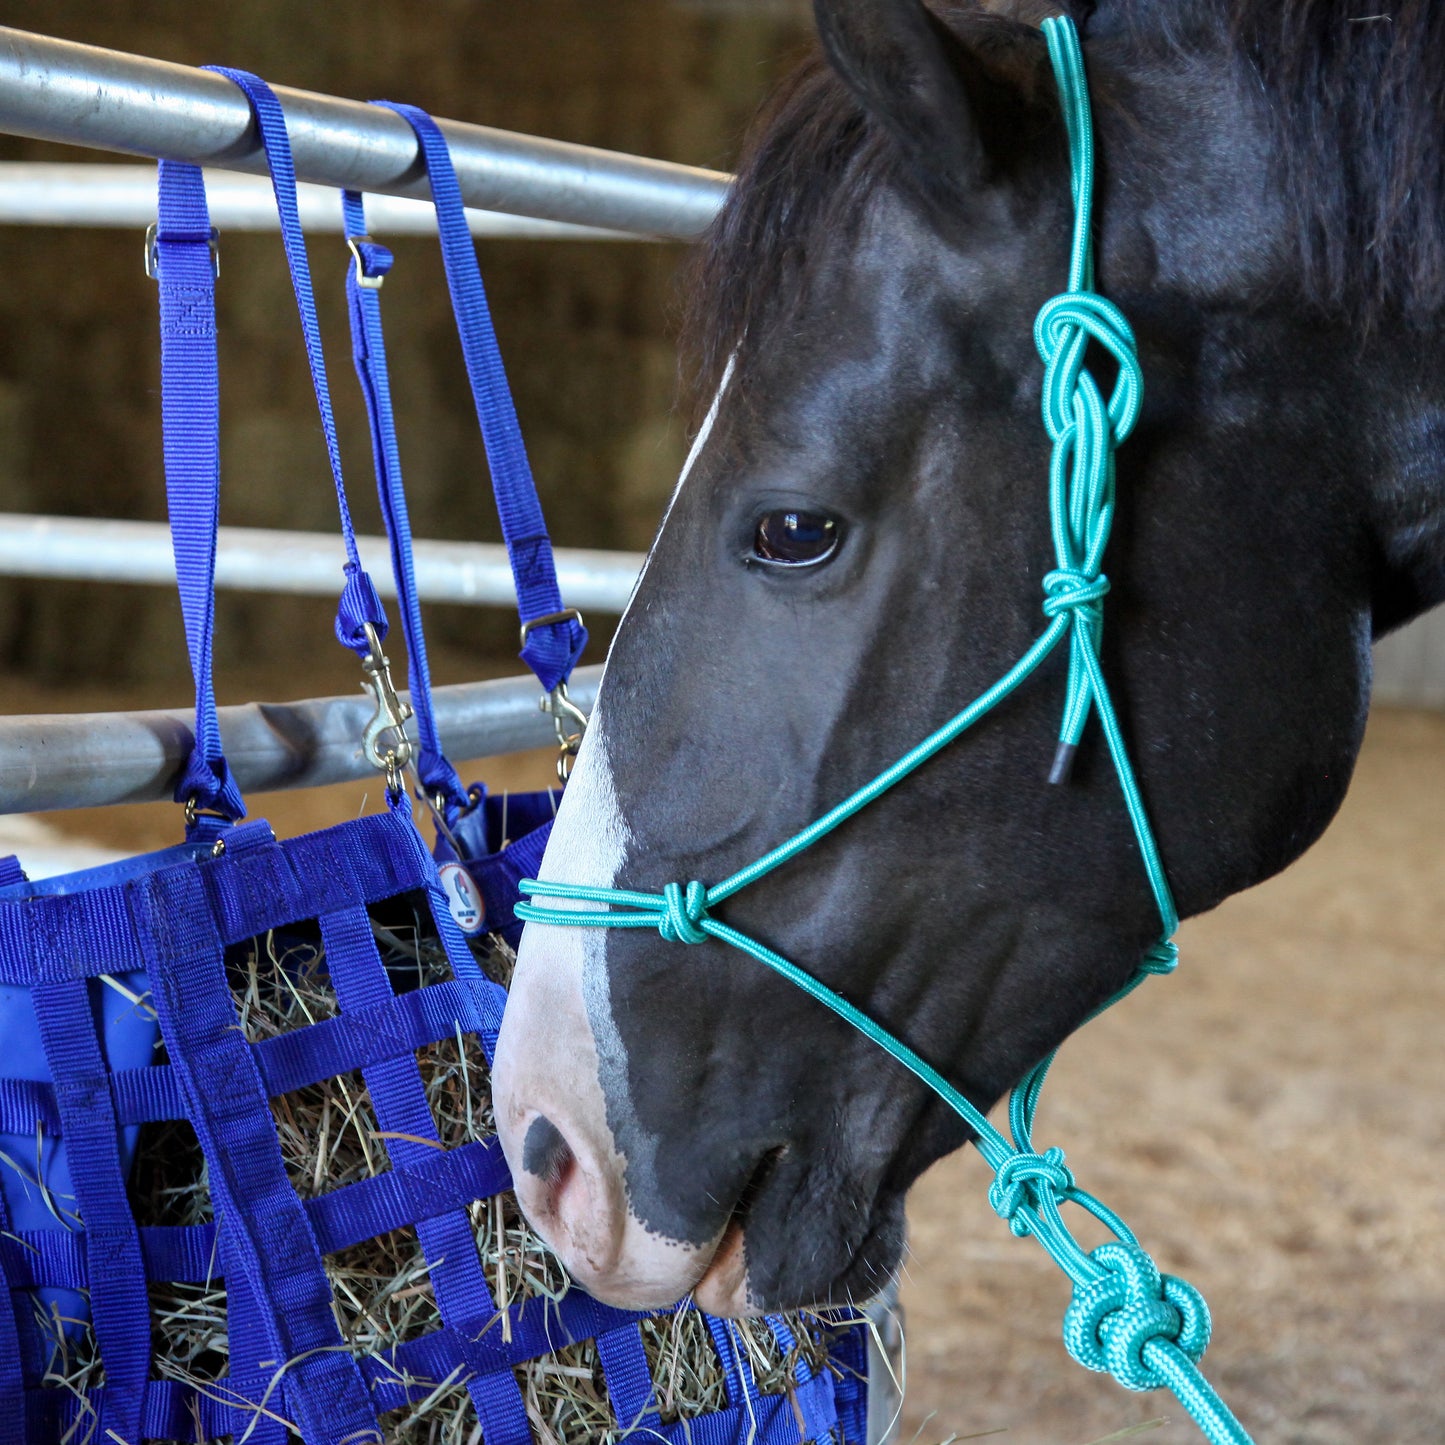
682, 913
1062, 332
1160, 958
1067, 589
1023, 1180
1110, 1322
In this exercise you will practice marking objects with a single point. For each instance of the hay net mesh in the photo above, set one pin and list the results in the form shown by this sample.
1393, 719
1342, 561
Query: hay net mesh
294, 1221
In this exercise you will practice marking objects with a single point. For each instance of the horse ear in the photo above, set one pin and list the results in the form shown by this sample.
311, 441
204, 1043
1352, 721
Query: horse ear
937, 99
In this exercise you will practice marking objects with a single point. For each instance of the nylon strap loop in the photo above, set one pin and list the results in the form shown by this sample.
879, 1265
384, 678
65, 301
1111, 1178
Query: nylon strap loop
183, 257
551, 650
368, 349
360, 605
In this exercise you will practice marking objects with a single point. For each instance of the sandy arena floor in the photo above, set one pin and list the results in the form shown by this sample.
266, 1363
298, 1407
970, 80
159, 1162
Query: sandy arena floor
1271, 1122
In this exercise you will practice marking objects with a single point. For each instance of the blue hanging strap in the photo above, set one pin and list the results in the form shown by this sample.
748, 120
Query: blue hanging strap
181, 255
368, 348
12, 1365
115, 1268
360, 618
360, 606
553, 635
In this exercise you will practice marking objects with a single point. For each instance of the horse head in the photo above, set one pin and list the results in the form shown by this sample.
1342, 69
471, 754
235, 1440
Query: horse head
856, 550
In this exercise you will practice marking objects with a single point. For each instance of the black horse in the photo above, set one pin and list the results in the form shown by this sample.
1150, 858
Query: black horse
856, 550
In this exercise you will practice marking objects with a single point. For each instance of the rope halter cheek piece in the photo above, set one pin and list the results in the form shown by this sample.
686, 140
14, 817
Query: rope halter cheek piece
1146, 1329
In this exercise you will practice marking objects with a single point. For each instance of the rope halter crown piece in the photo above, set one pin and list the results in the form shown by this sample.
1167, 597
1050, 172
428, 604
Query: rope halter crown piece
1146, 1329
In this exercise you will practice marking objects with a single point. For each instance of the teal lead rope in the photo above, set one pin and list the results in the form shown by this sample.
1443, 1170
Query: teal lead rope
1146, 1329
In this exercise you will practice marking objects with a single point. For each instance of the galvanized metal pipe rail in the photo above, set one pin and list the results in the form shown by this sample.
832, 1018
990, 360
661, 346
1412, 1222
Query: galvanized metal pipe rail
92, 760
82, 95
253, 559
44, 193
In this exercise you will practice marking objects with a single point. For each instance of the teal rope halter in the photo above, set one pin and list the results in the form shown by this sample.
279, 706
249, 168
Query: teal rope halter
1147, 1329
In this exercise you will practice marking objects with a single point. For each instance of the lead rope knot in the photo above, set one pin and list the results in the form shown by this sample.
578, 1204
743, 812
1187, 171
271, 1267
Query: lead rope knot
1062, 332
682, 912
1112, 1321
1067, 589
1022, 1180
1160, 958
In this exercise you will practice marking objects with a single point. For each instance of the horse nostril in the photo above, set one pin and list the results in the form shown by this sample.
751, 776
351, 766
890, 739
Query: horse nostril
545, 1153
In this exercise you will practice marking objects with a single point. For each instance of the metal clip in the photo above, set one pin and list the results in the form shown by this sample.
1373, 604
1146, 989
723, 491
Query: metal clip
390, 717
571, 725
367, 283
152, 256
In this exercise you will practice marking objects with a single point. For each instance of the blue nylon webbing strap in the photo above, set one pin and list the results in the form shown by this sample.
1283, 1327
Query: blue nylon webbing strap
741, 1386
251, 1360
12, 1363
399, 1099
184, 255
445, 1181
368, 349
268, 1245
550, 651
172, 1412
360, 604
629, 1380
119, 1304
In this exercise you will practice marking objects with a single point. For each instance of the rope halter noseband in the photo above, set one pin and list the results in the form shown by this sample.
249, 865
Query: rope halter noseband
1148, 1330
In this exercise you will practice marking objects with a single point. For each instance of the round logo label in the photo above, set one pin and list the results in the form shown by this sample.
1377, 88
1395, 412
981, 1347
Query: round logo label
464, 898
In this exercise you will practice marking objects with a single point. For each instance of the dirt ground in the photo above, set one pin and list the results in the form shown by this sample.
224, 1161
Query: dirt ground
1271, 1122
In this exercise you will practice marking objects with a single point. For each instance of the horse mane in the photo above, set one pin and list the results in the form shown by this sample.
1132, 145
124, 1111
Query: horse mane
1357, 102
1355, 95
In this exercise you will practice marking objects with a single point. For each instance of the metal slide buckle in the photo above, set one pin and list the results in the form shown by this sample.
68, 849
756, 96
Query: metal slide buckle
367, 283
390, 717
567, 614
152, 259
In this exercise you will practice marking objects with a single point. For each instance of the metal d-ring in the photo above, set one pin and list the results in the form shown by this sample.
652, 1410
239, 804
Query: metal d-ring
391, 715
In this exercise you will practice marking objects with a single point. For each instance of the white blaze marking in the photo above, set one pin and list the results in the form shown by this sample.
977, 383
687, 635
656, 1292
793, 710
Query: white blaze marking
589, 840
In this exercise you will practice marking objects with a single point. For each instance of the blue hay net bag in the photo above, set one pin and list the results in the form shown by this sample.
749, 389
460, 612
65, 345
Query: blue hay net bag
171, 1272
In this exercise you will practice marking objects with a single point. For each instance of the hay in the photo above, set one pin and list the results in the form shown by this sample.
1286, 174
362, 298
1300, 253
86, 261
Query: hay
329, 1137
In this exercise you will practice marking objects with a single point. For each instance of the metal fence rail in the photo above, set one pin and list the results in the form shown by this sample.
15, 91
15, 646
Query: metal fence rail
86, 761
252, 559
79, 94
38, 193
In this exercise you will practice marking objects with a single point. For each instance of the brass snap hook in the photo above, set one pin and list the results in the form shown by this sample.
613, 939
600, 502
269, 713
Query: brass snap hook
570, 723
568, 719
391, 716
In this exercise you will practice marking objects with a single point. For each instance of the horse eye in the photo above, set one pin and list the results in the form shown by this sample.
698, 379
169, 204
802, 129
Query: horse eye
795, 539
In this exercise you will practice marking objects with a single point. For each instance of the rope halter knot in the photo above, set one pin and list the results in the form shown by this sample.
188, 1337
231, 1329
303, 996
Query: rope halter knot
1067, 589
682, 913
1160, 959
1022, 1181
1062, 333
1112, 1321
